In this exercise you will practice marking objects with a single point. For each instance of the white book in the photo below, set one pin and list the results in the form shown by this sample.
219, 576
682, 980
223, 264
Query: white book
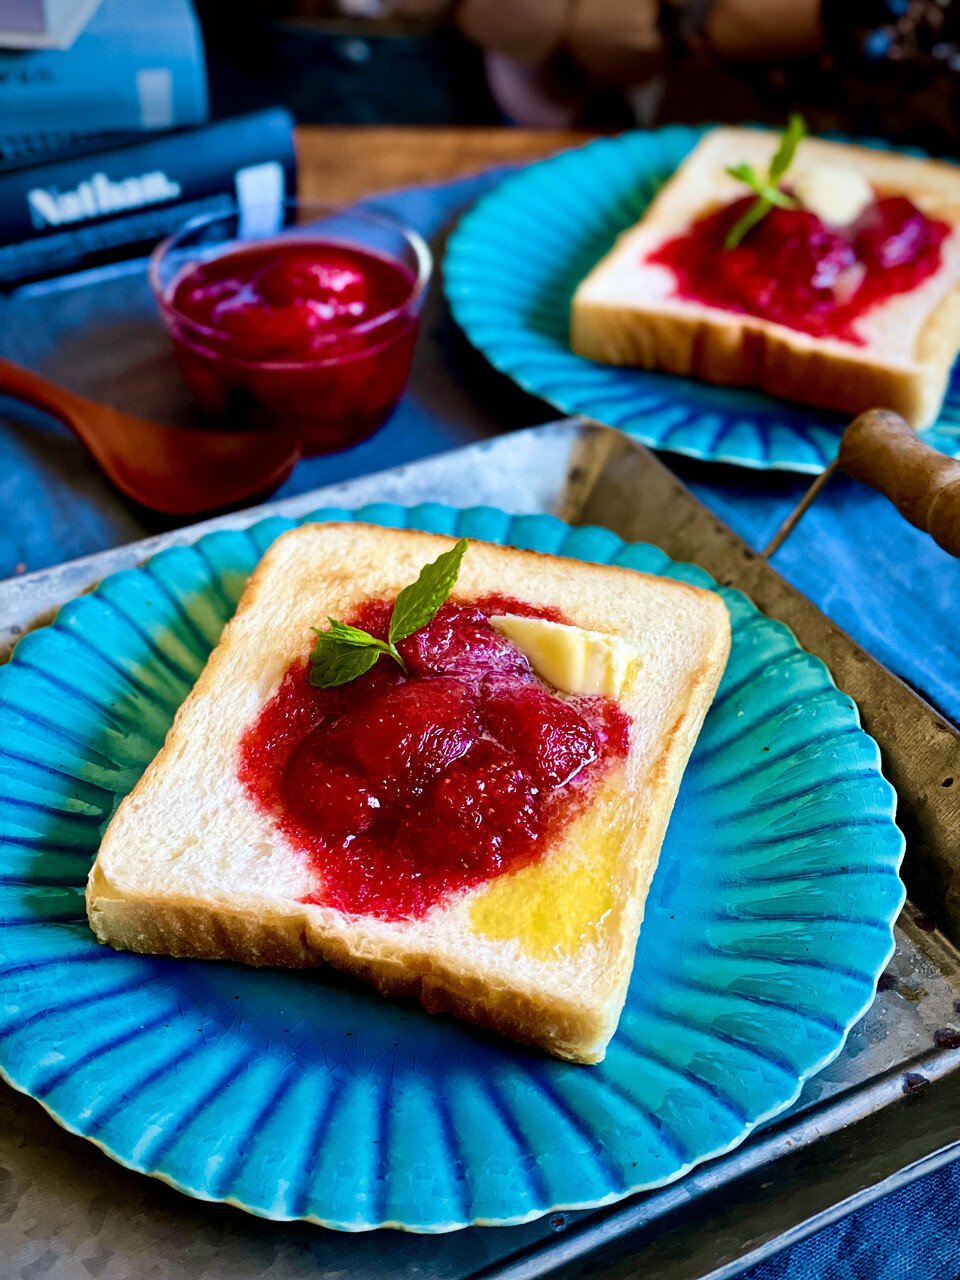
43, 24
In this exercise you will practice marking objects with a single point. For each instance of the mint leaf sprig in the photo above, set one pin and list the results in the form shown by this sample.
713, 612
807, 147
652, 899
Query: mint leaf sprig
767, 189
342, 652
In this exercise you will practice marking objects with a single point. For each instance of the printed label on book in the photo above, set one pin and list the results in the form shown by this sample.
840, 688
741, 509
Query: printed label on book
98, 196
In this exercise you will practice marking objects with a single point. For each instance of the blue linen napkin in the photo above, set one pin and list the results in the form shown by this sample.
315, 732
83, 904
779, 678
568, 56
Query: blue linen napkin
882, 581
909, 1235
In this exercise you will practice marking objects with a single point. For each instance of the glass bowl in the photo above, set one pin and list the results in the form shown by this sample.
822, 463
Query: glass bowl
327, 373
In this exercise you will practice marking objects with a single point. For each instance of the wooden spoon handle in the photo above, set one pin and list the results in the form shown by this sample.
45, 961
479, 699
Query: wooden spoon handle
31, 388
879, 449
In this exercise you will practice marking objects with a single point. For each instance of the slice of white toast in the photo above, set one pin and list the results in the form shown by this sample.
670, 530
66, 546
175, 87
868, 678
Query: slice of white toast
626, 312
190, 867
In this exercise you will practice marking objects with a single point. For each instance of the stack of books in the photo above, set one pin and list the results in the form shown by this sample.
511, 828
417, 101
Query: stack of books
105, 145
134, 66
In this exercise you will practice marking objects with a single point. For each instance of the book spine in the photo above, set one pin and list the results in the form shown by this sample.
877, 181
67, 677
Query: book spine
150, 75
62, 214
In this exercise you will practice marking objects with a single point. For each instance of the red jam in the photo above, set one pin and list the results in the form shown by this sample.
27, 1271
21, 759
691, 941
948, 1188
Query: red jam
313, 338
401, 791
794, 270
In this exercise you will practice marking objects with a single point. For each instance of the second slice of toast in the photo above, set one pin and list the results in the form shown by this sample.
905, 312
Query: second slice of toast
627, 311
189, 865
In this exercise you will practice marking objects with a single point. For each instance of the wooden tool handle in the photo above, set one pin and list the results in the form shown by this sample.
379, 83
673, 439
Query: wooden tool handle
879, 449
32, 388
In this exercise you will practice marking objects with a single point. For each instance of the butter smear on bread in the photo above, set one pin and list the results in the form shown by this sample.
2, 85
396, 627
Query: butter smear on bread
570, 658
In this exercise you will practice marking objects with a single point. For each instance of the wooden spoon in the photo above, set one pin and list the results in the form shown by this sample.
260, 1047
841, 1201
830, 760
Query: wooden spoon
174, 470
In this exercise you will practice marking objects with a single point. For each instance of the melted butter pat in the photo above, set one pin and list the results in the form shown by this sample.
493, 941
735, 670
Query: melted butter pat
570, 658
836, 195
556, 906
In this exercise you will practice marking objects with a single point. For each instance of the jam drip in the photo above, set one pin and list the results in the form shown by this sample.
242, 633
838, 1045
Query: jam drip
401, 791
796, 271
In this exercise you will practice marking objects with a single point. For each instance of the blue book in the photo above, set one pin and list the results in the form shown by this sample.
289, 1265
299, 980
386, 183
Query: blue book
136, 66
86, 208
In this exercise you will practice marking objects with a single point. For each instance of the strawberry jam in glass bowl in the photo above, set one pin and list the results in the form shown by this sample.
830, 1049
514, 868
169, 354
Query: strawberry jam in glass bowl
794, 270
301, 320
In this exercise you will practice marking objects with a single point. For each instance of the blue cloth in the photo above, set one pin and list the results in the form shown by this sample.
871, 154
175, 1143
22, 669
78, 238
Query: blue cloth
913, 1234
878, 578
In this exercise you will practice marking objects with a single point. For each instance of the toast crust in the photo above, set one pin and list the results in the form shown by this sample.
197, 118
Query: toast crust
189, 929
906, 363
160, 908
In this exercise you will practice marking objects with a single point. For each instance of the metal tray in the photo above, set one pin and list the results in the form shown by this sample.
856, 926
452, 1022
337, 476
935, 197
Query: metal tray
886, 1111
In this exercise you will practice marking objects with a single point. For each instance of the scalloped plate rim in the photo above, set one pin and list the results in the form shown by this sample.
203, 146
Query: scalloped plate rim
447, 1228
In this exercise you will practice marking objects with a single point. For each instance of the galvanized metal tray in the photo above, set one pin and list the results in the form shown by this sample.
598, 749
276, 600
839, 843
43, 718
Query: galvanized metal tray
886, 1111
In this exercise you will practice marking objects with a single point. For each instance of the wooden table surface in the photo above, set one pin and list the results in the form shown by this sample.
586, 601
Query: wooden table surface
343, 162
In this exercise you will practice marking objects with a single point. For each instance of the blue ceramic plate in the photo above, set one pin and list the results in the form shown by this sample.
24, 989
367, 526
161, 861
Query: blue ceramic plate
511, 268
305, 1095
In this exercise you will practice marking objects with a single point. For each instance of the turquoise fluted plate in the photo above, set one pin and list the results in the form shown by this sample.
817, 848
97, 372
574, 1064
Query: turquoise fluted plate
306, 1095
510, 271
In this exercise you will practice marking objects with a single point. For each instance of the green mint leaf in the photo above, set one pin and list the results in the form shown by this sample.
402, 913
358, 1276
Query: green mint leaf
418, 604
333, 663
749, 218
781, 162
775, 196
343, 633
768, 193
342, 652
745, 173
